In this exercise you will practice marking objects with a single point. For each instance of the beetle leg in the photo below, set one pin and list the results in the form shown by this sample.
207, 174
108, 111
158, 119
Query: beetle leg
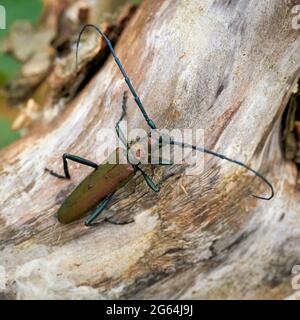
151, 184
117, 126
66, 169
98, 210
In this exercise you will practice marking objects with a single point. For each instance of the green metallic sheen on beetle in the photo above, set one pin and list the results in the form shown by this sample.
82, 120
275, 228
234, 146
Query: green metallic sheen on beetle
95, 187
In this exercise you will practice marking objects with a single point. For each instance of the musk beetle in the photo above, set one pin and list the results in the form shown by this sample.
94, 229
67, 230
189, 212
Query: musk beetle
96, 191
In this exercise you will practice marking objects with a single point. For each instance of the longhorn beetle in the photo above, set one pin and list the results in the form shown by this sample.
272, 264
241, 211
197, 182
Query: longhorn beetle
96, 191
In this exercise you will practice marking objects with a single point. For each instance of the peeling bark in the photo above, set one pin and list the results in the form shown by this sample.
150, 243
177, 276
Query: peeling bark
224, 66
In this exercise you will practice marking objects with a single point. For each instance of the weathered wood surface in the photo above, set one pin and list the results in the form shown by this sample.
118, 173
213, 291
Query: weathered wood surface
224, 66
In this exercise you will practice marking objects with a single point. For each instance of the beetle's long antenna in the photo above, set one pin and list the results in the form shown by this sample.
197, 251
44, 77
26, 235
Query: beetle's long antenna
127, 80
221, 156
151, 122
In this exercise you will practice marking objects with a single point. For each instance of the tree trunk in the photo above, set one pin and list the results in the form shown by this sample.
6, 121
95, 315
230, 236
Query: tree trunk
227, 67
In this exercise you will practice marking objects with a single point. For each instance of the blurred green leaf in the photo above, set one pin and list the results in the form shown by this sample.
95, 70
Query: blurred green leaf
29, 10
8, 67
7, 136
16, 10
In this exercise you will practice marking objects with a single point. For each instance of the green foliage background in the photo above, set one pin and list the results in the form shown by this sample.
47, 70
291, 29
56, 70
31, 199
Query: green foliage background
15, 10
29, 10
